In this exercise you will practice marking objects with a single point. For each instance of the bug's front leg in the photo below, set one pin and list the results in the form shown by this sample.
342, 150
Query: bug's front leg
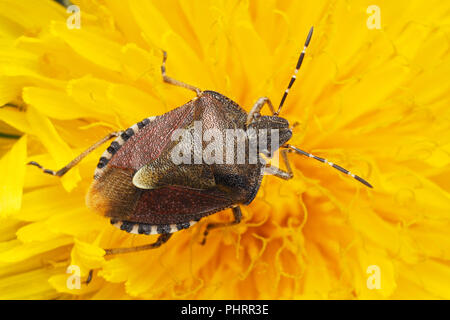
255, 111
75, 161
237, 213
285, 175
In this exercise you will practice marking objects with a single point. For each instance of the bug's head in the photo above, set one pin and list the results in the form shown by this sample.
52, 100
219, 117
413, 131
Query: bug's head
272, 129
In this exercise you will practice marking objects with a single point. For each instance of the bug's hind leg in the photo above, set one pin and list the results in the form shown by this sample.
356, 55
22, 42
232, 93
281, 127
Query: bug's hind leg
237, 213
174, 81
163, 238
75, 161
89, 277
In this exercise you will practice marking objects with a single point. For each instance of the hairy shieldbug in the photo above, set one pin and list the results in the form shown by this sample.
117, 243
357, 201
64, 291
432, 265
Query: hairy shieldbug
138, 186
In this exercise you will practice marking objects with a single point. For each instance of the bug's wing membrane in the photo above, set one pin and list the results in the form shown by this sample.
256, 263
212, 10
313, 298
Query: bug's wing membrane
117, 197
153, 176
176, 204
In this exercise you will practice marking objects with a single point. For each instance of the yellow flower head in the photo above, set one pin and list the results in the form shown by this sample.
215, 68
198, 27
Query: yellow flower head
372, 96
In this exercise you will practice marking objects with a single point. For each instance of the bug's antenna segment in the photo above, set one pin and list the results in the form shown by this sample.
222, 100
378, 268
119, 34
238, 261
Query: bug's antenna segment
299, 151
294, 76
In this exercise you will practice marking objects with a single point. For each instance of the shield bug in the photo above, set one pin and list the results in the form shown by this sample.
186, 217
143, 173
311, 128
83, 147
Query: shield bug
143, 191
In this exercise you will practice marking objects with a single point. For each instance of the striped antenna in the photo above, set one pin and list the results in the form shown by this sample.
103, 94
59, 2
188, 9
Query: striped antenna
299, 63
297, 150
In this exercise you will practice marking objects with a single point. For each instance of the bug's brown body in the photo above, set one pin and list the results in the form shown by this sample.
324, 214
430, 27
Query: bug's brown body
179, 193
139, 186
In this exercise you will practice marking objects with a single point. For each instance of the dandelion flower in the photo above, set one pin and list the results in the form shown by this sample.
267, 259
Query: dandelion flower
374, 100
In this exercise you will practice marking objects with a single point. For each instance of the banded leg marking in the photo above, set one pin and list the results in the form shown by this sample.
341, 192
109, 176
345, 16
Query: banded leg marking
237, 214
75, 161
149, 229
118, 143
175, 82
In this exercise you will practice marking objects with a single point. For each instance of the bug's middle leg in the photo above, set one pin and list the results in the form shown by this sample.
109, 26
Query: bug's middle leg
255, 111
237, 213
175, 82
75, 161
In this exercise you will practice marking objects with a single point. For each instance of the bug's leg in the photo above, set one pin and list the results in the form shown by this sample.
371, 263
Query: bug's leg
291, 148
237, 219
255, 111
163, 238
89, 278
294, 76
174, 81
285, 175
75, 161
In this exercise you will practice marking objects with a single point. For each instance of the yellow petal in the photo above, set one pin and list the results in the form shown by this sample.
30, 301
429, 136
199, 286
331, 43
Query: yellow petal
26, 250
15, 118
89, 45
87, 256
44, 129
55, 104
30, 14
29, 285
42, 203
13, 178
